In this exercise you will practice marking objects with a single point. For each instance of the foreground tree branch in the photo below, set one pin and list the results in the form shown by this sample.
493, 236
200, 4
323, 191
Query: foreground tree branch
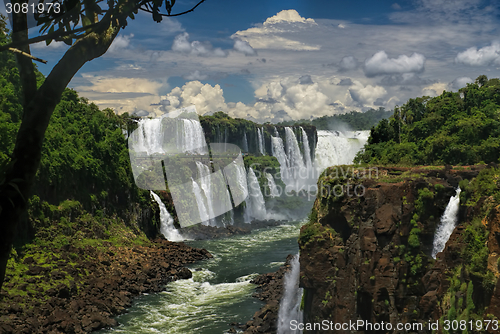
20, 175
99, 29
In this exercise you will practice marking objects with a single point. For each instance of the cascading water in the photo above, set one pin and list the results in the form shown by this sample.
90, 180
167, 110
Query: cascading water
167, 227
262, 144
256, 205
273, 189
448, 223
307, 149
280, 154
202, 209
245, 142
205, 183
191, 138
290, 302
149, 136
295, 159
338, 148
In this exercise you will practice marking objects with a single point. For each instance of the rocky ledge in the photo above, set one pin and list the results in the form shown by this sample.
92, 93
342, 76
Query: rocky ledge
101, 286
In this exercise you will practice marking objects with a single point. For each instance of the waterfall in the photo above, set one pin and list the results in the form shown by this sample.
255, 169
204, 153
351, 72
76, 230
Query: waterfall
167, 227
245, 142
295, 159
447, 225
290, 302
149, 136
307, 149
273, 189
262, 144
191, 138
206, 186
255, 202
338, 148
276, 134
280, 154
202, 209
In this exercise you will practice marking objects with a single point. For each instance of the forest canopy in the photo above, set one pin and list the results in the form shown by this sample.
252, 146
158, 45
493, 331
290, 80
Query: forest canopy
453, 128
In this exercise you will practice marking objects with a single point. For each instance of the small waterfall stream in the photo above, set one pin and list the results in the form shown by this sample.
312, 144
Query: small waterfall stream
273, 189
261, 142
290, 302
202, 209
307, 150
167, 227
206, 186
448, 222
256, 206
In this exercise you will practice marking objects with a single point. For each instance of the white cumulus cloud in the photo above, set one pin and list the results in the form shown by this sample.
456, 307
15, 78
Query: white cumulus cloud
182, 44
205, 97
460, 83
244, 47
121, 42
290, 15
480, 57
380, 64
348, 63
366, 95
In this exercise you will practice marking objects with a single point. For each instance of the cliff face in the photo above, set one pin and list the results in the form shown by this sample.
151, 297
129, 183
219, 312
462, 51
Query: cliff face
368, 257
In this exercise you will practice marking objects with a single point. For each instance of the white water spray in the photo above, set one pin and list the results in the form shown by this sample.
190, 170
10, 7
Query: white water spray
338, 148
448, 222
290, 302
167, 227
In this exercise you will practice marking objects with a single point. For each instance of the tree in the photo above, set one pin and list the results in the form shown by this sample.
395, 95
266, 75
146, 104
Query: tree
99, 27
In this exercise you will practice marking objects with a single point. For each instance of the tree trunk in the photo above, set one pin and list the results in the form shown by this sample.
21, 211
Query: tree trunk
19, 177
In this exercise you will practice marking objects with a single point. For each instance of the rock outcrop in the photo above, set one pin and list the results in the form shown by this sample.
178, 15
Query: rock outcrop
366, 255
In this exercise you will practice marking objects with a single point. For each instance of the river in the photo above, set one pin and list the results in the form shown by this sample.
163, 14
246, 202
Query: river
220, 291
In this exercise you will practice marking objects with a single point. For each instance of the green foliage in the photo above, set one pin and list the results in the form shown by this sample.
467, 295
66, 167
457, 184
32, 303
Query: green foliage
446, 129
475, 252
308, 231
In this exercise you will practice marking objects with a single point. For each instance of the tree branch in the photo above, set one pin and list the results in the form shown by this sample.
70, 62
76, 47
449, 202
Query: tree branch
25, 65
177, 14
27, 55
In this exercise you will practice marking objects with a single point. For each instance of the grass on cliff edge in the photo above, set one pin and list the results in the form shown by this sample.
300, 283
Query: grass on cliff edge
45, 263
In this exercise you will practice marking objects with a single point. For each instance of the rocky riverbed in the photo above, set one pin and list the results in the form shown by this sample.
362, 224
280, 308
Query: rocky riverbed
94, 286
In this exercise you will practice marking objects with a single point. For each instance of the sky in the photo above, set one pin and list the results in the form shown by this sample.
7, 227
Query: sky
270, 61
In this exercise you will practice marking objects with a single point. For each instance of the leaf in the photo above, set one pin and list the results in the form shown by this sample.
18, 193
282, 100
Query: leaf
86, 21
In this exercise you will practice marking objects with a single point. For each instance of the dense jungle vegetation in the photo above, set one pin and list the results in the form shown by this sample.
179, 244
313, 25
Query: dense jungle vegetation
453, 128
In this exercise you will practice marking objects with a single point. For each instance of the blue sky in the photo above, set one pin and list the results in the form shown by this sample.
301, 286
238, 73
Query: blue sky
276, 60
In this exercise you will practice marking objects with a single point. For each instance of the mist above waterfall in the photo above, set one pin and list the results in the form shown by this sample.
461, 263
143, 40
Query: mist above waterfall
338, 148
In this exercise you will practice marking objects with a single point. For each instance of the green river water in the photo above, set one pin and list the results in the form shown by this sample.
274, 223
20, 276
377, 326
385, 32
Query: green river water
220, 291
